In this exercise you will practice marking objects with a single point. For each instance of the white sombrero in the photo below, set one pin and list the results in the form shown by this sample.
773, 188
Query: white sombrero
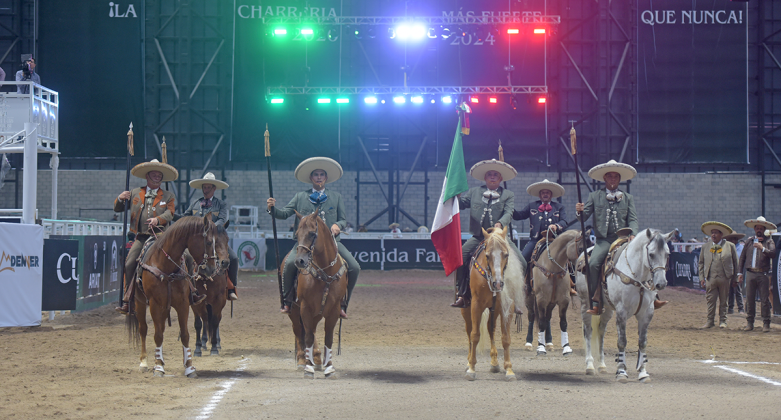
556, 189
331, 167
169, 172
759, 221
480, 168
209, 179
598, 172
708, 226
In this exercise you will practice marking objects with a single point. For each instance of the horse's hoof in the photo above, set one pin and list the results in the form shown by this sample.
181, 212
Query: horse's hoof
622, 378
198, 353
158, 374
645, 379
330, 372
529, 346
566, 351
549, 346
219, 347
309, 375
603, 369
319, 368
193, 375
470, 376
590, 371
214, 352
300, 367
495, 369
510, 378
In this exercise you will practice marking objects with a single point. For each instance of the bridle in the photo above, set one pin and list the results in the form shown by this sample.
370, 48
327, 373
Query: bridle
202, 266
646, 284
318, 272
486, 272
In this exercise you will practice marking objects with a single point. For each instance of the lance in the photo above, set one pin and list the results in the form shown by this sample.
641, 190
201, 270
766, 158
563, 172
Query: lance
124, 219
574, 147
273, 219
501, 159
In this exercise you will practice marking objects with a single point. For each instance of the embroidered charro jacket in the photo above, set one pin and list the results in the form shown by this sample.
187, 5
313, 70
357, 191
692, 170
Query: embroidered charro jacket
764, 259
162, 207
539, 220
725, 259
609, 216
218, 209
332, 210
500, 210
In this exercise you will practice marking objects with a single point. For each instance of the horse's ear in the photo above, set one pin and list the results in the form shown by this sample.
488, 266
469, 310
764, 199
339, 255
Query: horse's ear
648, 233
298, 215
668, 237
484, 233
207, 219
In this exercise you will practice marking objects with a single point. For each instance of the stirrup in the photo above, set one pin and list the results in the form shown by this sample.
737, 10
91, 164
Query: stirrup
197, 299
285, 309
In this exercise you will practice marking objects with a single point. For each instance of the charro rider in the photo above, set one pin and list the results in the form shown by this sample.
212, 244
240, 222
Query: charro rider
542, 213
613, 210
717, 267
491, 206
219, 210
317, 171
151, 209
757, 259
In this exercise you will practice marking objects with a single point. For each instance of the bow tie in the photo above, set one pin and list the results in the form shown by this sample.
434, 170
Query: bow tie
206, 203
318, 197
715, 249
150, 193
491, 194
545, 207
616, 197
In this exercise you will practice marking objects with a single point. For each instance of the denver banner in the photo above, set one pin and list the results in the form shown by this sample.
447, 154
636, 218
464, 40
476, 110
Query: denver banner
21, 257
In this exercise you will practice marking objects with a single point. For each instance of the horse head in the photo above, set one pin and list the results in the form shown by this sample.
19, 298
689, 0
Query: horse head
211, 245
307, 235
657, 254
497, 252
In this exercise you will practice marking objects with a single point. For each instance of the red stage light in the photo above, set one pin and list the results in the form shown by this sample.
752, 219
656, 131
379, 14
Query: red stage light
473, 99
513, 31
539, 30
541, 100
492, 99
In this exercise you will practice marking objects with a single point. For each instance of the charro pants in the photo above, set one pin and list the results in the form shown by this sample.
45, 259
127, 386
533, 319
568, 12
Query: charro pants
233, 268
131, 264
757, 282
717, 288
735, 294
289, 272
595, 261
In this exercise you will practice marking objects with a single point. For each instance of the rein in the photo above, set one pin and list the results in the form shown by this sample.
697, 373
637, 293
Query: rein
486, 273
318, 272
646, 285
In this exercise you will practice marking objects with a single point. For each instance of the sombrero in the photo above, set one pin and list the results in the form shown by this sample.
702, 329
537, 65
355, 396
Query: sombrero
169, 172
556, 189
331, 167
209, 179
759, 221
708, 226
480, 168
598, 172
734, 236
393, 226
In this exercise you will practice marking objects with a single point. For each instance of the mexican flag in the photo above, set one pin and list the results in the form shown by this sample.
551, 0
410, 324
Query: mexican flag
446, 230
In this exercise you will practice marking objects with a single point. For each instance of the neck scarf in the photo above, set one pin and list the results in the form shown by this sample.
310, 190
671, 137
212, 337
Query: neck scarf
317, 197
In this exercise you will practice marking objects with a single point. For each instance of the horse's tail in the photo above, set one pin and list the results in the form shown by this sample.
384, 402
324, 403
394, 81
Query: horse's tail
485, 341
131, 325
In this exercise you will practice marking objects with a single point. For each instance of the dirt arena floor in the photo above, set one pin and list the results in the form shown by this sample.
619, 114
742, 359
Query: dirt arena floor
403, 356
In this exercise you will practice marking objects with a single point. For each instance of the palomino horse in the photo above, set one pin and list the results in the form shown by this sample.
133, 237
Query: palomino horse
632, 280
164, 283
496, 280
551, 286
322, 285
208, 313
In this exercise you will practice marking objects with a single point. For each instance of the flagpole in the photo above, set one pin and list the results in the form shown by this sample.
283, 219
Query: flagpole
273, 219
124, 218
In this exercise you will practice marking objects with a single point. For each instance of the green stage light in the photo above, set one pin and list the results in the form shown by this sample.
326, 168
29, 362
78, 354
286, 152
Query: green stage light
280, 31
277, 100
307, 31
323, 100
342, 100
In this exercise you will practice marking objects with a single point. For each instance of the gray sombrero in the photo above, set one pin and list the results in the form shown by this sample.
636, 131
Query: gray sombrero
209, 179
759, 221
734, 236
331, 167
708, 226
556, 189
169, 172
479, 169
598, 172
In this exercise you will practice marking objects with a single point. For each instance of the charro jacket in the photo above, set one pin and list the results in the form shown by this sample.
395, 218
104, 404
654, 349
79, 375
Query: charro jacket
332, 210
501, 209
539, 221
598, 205
218, 209
728, 260
162, 208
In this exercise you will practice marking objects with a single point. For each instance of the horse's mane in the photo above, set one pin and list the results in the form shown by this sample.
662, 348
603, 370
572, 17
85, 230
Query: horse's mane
183, 227
496, 238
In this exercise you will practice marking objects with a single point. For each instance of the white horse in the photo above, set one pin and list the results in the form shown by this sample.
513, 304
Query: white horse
632, 286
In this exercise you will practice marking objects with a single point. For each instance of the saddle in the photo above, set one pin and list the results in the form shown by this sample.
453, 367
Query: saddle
616, 248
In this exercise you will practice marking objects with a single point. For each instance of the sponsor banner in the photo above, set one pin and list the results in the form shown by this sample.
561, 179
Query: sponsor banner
21, 258
682, 271
60, 274
100, 269
251, 253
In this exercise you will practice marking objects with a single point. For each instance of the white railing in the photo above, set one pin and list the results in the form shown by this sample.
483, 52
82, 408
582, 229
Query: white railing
78, 227
39, 106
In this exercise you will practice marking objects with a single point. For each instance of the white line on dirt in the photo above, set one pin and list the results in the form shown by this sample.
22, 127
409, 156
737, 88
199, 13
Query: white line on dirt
750, 375
226, 386
738, 363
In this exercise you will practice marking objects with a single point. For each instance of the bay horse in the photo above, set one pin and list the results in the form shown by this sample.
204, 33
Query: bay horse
322, 285
633, 275
208, 313
497, 283
551, 286
164, 282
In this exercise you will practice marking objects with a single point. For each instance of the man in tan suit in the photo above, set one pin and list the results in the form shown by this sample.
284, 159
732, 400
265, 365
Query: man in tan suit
757, 260
151, 209
717, 266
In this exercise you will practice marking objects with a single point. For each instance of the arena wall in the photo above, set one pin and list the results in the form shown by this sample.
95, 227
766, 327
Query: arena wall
664, 201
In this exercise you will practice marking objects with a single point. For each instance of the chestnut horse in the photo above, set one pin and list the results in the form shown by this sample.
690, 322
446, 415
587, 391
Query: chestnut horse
496, 279
322, 285
208, 313
551, 286
164, 282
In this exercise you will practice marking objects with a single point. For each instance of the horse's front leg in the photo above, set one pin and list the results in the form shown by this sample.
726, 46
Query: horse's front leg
214, 331
492, 317
142, 330
298, 333
508, 365
644, 318
587, 330
198, 322
477, 317
529, 317
182, 307
159, 316
327, 360
621, 375
563, 306
466, 313
310, 322
602, 328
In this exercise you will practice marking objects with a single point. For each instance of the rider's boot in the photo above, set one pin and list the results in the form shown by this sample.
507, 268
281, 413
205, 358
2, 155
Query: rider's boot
462, 283
195, 298
124, 306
